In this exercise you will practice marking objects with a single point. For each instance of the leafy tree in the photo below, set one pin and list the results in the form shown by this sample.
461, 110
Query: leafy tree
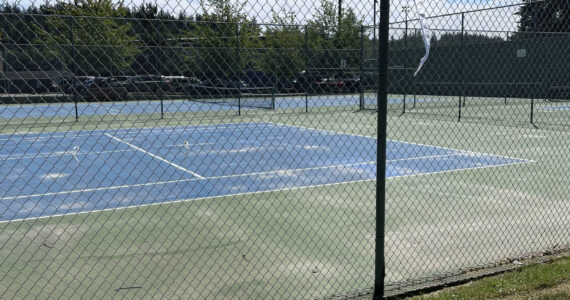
333, 40
284, 47
155, 30
17, 36
224, 40
90, 36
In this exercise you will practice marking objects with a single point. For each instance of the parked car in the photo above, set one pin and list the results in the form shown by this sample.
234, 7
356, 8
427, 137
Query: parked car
104, 89
351, 82
329, 85
46, 86
304, 82
79, 83
154, 84
179, 84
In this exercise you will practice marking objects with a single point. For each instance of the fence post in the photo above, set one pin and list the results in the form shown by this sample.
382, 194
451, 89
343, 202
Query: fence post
4, 69
406, 49
306, 67
361, 75
160, 67
238, 67
73, 63
379, 267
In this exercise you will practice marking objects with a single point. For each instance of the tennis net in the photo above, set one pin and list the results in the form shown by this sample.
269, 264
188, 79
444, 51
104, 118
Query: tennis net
236, 97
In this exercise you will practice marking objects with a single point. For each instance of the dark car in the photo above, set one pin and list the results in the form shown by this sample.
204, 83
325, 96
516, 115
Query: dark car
329, 85
351, 82
46, 86
180, 84
154, 84
78, 84
104, 89
304, 82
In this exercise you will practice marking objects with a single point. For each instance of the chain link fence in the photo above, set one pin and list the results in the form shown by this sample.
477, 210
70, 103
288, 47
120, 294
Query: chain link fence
225, 149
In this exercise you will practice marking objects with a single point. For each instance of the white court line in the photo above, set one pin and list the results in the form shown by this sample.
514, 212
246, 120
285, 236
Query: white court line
425, 157
102, 106
462, 169
57, 153
254, 174
176, 181
38, 136
322, 130
190, 200
126, 131
154, 156
138, 130
182, 145
219, 196
431, 146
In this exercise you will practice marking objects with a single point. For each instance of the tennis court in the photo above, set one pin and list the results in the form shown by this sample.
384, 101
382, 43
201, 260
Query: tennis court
186, 106
60, 173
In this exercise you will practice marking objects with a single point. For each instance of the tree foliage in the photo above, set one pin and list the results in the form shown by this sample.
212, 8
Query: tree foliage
93, 38
103, 37
545, 16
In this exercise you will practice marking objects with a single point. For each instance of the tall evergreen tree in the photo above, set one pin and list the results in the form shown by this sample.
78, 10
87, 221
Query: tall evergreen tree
545, 16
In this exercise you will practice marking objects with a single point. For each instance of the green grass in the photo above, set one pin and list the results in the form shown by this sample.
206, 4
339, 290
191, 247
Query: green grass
302, 243
538, 281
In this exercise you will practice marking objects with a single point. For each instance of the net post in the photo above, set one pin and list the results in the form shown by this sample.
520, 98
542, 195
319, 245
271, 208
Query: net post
73, 70
532, 110
414, 90
379, 266
274, 89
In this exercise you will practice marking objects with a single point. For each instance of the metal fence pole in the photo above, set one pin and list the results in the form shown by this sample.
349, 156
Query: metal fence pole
73, 70
4, 69
238, 60
361, 75
306, 67
160, 67
379, 267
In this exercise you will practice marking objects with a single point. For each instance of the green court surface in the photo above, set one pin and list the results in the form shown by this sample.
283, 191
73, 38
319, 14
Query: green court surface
303, 241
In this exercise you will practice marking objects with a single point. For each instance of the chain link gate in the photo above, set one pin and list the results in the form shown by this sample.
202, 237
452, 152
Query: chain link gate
225, 149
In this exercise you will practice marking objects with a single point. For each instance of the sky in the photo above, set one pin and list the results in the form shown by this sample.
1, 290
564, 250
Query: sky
261, 10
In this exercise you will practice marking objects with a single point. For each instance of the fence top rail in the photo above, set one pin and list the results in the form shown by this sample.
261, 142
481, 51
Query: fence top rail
471, 11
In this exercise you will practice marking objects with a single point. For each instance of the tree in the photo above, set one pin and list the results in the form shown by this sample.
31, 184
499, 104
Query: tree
544, 16
89, 36
224, 40
333, 40
155, 29
284, 47
17, 36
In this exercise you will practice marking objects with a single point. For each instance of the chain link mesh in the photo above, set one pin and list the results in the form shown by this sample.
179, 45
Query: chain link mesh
225, 149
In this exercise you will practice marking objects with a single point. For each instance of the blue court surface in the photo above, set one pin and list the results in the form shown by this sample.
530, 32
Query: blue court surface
59, 173
173, 106
554, 107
